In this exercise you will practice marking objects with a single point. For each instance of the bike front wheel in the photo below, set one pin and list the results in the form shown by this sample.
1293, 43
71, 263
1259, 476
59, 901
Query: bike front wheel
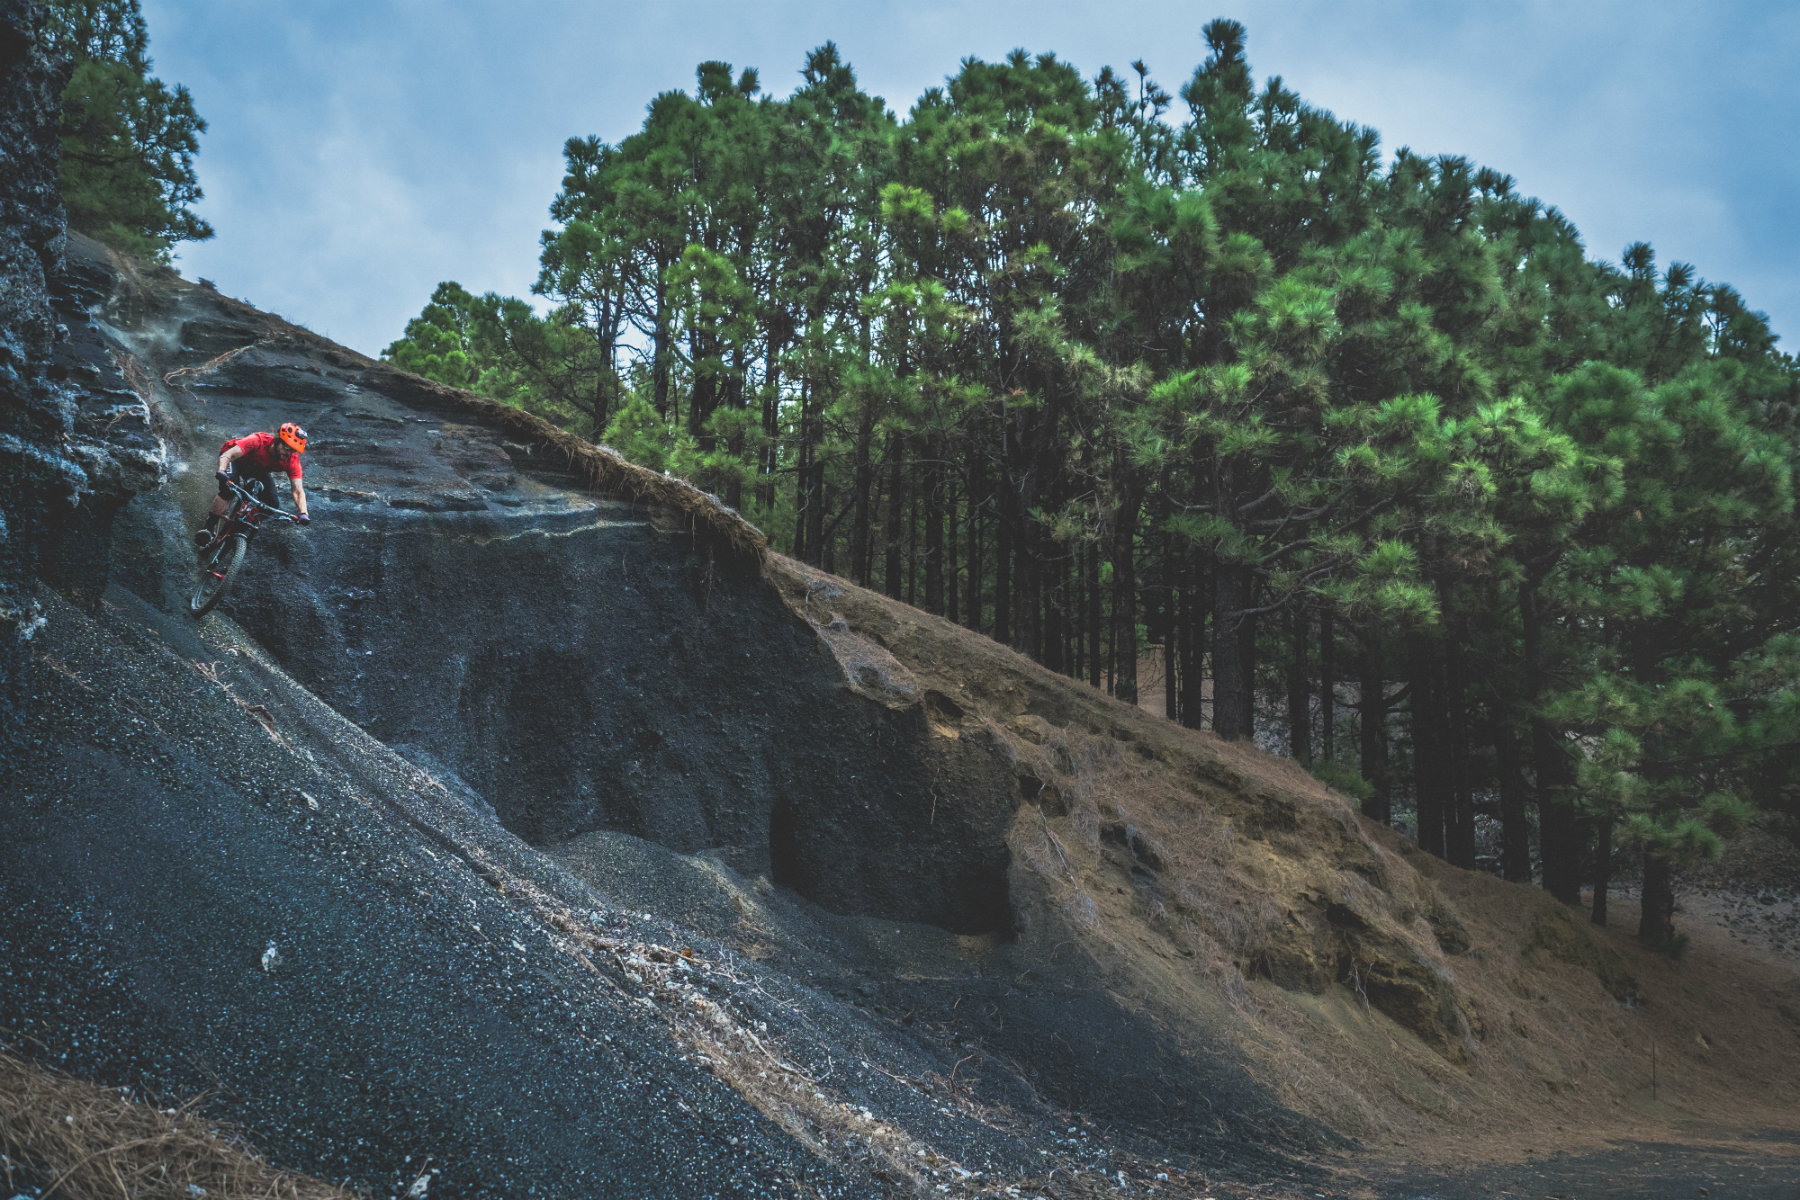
216, 574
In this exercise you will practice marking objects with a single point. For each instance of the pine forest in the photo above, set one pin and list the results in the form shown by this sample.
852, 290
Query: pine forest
1205, 399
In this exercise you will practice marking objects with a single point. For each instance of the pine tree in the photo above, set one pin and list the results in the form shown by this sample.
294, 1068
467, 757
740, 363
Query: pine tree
1041, 359
128, 140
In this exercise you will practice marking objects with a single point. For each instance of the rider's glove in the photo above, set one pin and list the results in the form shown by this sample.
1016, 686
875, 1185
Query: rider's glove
225, 482
303, 519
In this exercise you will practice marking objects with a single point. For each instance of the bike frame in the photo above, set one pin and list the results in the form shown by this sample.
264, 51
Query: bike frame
245, 513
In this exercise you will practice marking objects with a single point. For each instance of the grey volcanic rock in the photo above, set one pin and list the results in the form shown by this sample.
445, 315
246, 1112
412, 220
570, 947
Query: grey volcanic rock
75, 437
163, 842
578, 667
31, 212
498, 825
34, 419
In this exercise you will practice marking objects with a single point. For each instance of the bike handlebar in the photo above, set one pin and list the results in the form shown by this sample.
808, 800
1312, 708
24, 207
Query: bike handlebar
246, 497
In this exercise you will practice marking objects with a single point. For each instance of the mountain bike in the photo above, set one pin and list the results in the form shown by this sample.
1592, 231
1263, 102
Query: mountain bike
221, 557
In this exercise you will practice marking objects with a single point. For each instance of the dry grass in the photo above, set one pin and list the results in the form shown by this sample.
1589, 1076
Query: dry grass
81, 1141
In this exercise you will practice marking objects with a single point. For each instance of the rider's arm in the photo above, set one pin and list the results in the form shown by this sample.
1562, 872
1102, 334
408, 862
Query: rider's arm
299, 495
231, 455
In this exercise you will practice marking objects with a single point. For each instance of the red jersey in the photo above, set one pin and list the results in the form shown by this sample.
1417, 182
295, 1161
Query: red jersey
261, 455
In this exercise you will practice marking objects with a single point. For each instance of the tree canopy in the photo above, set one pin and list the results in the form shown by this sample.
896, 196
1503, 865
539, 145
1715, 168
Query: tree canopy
1198, 383
128, 139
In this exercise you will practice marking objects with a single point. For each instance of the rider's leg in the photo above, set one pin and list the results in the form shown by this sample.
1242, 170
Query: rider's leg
260, 486
221, 505
210, 526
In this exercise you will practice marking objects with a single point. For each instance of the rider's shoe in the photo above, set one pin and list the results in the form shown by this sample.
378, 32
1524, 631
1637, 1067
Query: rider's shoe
202, 536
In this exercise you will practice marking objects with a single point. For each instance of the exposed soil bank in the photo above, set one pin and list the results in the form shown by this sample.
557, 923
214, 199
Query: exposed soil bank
572, 660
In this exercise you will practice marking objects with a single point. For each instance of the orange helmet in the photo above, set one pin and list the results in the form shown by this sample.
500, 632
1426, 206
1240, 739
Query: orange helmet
293, 437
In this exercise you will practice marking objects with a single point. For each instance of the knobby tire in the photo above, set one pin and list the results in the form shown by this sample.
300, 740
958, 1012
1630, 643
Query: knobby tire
216, 575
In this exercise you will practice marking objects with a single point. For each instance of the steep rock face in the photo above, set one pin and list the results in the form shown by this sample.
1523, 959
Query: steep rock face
605, 680
113, 436
75, 436
33, 419
577, 664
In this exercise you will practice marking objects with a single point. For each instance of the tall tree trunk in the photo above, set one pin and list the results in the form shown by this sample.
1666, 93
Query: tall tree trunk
659, 348
1124, 596
1515, 830
1430, 779
769, 457
734, 445
952, 593
1560, 848
1372, 707
1459, 818
973, 507
1073, 607
1172, 579
912, 547
1603, 849
1055, 635
1028, 630
1233, 632
1247, 657
893, 527
1196, 602
1299, 689
862, 551
703, 392
816, 498
1327, 685
1656, 925
1112, 646
1005, 530
803, 476
1069, 575
1093, 613
932, 482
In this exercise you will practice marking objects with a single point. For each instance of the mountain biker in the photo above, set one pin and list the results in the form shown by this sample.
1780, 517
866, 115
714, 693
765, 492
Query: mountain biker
251, 460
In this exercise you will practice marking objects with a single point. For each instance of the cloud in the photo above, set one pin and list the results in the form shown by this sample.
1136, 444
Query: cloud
361, 152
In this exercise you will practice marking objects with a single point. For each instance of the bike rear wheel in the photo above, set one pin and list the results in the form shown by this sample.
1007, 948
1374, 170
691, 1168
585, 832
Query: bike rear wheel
216, 574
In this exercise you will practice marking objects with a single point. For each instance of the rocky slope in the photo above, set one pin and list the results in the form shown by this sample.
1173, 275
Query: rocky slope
387, 854
75, 441
525, 822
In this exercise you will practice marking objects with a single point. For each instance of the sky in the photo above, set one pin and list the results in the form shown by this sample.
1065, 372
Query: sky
361, 151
